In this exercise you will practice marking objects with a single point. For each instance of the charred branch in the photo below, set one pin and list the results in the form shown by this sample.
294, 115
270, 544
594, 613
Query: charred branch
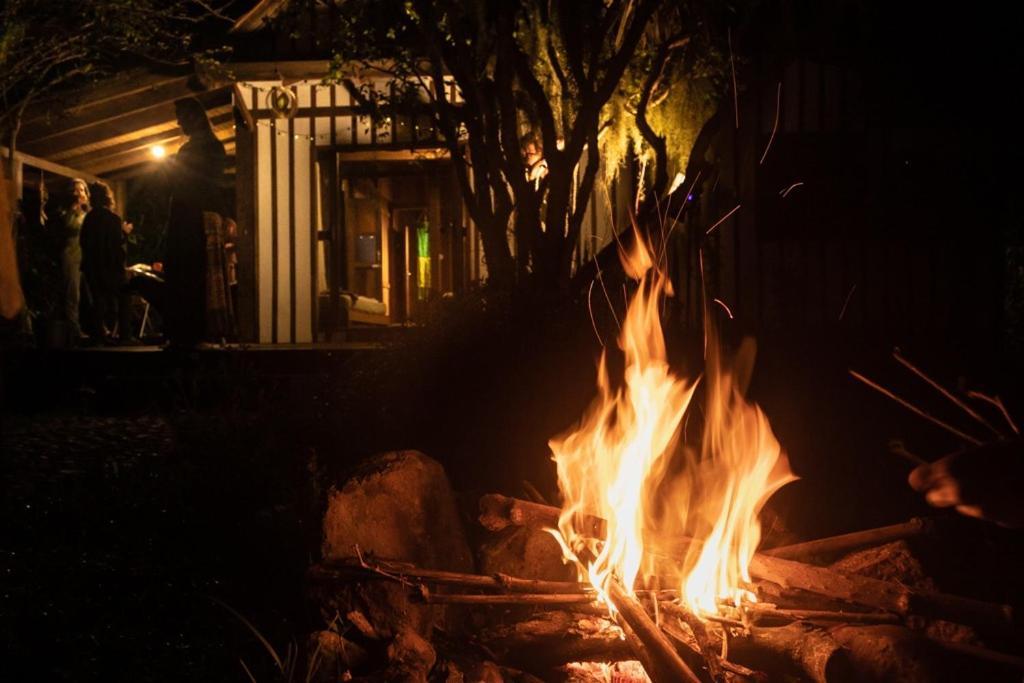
651, 646
352, 571
847, 588
835, 545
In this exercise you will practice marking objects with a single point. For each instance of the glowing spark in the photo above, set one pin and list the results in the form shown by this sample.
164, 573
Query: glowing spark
727, 311
590, 308
785, 193
914, 409
775, 127
675, 221
723, 219
846, 302
676, 182
158, 151
600, 278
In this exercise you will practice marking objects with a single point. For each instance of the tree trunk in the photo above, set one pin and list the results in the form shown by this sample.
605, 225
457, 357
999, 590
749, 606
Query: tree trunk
497, 255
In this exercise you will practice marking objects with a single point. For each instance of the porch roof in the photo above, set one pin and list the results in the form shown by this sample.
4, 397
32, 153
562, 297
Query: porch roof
108, 129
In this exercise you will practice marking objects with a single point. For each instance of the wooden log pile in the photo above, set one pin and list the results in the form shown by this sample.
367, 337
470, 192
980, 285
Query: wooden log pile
834, 619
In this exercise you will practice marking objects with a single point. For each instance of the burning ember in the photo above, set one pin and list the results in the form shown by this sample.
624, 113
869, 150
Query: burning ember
690, 509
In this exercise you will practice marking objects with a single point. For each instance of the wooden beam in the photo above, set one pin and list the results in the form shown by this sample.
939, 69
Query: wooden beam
222, 124
49, 166
129, 159
217, 116
254, 19
91, 114
130, 121
299, 70
124, 84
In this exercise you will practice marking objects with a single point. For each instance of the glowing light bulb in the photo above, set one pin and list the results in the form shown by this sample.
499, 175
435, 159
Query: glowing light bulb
158, 151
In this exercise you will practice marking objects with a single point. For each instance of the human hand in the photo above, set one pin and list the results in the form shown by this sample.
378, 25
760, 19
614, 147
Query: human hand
985, 482
127, 227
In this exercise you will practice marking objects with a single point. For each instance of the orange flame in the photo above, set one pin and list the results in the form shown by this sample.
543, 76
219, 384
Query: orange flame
625, 464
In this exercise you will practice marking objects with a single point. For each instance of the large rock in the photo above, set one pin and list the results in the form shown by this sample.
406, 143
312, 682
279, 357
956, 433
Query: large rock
397, 506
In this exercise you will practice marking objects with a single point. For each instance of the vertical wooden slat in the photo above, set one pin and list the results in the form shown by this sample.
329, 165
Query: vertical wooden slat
291, 223
314, 188
273, 230
337, 239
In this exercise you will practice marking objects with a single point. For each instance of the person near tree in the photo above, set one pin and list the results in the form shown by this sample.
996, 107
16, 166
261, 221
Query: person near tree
196, 185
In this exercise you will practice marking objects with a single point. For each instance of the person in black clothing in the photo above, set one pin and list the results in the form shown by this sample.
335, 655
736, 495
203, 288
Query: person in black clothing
196, 196
103, 263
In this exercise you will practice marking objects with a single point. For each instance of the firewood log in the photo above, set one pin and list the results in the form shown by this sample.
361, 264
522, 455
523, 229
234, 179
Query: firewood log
796, 649
834, 545
880, 595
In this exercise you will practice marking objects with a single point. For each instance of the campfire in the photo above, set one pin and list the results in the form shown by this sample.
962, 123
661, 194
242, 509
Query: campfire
662, 483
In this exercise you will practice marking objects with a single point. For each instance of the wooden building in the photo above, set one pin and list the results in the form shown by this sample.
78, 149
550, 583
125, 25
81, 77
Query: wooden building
344, 222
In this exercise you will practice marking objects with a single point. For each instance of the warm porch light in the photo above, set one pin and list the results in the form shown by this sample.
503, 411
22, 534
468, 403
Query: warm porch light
158, 151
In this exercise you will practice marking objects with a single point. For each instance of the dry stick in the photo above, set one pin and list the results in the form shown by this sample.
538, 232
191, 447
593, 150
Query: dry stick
343, 571
651, 646
998, 403
896, 447
942, 390
914, 409
505, 599
834, 545
852, 588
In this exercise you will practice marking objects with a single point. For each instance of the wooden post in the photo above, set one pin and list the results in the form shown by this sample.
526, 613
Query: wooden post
245, 218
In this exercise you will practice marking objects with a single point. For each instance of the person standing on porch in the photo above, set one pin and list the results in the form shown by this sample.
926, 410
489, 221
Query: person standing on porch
196, 199
103, 266
70, 222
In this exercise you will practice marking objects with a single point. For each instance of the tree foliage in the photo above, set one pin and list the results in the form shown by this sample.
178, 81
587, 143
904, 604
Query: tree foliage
46, 45
595, 83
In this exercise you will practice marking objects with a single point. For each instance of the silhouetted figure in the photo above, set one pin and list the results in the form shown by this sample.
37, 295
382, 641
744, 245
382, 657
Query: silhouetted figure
103, 263
196, 198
